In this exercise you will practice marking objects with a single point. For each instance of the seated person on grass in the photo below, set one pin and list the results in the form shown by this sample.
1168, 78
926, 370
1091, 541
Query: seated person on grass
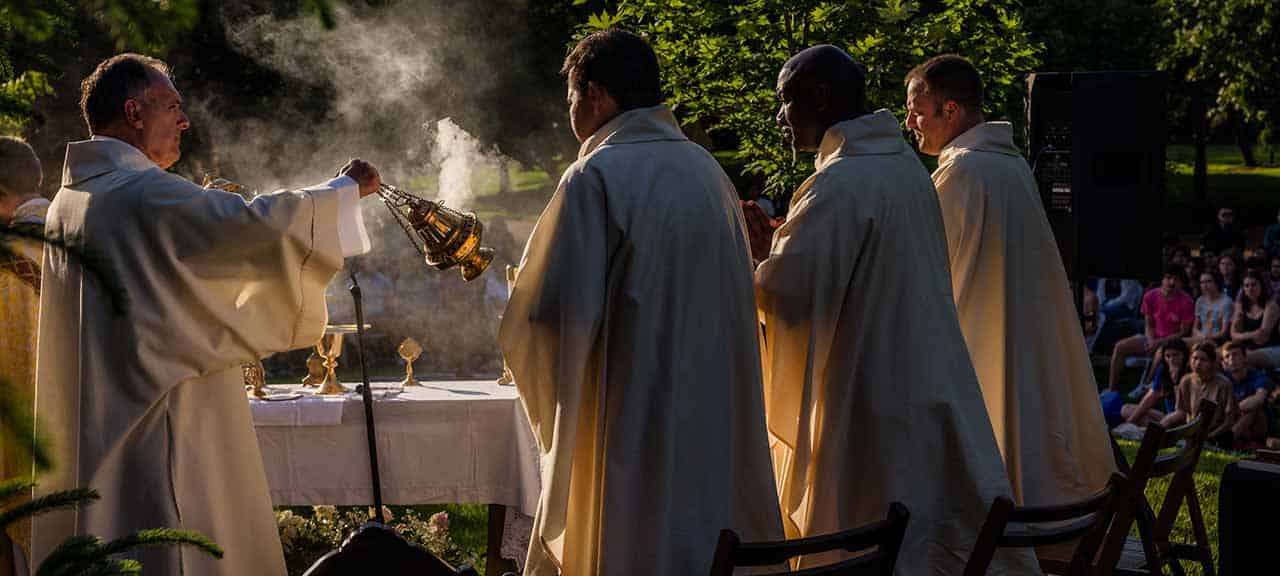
1214, 312
1251, 388
1169, 314
1167, 369
1205, 382
1255, 323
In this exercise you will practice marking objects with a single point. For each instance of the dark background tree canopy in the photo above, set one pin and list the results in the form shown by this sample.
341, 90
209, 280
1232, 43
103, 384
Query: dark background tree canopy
720, 60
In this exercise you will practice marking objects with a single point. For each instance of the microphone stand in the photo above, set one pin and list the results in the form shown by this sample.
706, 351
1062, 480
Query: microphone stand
366, 393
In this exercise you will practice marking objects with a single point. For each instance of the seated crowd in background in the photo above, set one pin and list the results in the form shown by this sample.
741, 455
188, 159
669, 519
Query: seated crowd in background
1209, 329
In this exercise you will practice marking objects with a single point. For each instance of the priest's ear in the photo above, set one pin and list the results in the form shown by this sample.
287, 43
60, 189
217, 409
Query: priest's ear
133, 113
602, 103
950, 109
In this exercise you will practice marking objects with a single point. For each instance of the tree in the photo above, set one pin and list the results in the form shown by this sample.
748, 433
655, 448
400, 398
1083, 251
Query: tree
30, 30
720, 60
1081, 35
1223, 60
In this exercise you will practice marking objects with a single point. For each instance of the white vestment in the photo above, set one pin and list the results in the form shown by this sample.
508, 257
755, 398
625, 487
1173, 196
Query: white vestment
869, 391
165, 290
632, 337
1018, 319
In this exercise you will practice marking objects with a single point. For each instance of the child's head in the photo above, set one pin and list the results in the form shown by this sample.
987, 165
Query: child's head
1175, 356
1233, 357
1204, 359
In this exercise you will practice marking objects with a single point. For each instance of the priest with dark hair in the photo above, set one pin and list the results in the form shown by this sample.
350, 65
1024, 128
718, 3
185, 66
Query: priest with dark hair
632, 336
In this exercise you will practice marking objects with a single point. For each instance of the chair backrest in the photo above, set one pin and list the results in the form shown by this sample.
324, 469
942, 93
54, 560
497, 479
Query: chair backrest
1086, 520
878, 542
1149, 463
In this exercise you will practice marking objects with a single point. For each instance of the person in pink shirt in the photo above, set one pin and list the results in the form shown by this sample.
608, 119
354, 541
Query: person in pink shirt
1169, 313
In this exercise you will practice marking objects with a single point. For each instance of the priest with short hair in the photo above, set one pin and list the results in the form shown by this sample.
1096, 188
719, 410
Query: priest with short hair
1011, 292
156, 293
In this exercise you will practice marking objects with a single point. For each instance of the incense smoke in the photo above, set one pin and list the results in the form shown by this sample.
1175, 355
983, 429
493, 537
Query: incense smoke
394, 86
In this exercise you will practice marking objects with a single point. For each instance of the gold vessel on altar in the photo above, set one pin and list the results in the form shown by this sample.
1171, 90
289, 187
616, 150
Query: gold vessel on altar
445, 237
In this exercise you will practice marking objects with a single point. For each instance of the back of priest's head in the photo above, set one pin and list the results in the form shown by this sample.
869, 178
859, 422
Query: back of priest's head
621, 63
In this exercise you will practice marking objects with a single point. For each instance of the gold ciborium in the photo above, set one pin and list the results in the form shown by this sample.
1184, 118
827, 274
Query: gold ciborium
410, 350
316, 372
445, 237
255, 381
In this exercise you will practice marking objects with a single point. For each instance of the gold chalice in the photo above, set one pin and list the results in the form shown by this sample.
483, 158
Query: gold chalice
410, 350
330, 347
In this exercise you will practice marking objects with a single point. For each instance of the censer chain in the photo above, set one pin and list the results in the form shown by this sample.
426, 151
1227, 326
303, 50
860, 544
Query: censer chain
391, 198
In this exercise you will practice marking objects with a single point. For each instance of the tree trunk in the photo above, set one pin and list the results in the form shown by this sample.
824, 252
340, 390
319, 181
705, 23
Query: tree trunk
504, 175
1245, 140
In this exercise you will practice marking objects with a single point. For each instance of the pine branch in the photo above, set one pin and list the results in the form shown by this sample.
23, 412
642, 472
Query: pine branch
83, 555
17, 423
162, 537
71, 557
49, 503
15, 487
114, 567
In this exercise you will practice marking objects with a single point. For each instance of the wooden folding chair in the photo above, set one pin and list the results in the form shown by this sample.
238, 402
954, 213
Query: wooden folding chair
1152, 551
879, 543
1079, 526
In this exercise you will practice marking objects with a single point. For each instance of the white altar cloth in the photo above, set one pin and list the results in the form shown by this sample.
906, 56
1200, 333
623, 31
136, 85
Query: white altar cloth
443, 442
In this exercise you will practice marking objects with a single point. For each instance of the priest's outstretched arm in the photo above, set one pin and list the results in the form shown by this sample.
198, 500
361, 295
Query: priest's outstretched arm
254, 273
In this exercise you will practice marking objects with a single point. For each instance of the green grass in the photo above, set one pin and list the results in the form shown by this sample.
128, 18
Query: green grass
1254, 192
468, 527
1208, 478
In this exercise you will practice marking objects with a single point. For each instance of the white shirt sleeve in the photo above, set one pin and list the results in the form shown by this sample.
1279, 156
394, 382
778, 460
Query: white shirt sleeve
352, 236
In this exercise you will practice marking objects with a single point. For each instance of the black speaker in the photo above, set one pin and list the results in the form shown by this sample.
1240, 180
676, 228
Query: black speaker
1247, 513
1096, 142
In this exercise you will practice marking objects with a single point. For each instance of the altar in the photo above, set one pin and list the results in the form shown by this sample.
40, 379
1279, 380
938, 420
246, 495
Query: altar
441, 442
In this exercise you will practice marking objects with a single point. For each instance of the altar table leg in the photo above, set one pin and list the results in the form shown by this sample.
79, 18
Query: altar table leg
493, 564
